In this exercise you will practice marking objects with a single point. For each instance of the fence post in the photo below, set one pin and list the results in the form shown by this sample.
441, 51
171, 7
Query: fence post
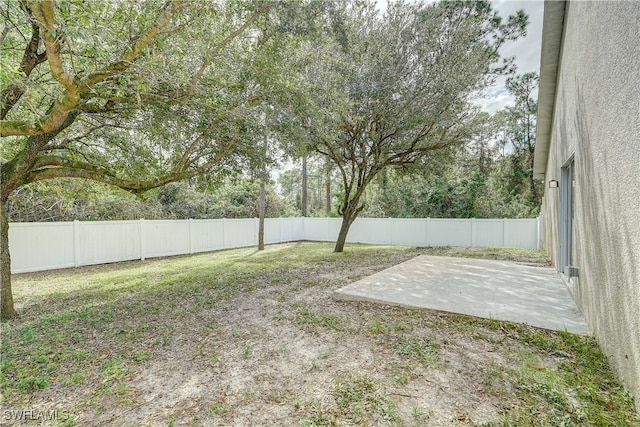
224, 225
473, 232
427, 233
504, 232
142, 239
256, 227
539, 242
280, 225
190, 236
390, 221
328, 239
76, 243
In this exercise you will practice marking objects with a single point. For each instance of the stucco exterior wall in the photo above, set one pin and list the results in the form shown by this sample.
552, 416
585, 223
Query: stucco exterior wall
597, 119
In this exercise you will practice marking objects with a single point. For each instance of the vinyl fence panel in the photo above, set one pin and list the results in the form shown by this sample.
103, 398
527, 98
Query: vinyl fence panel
318, 229
449, 232
207, 235
41, 246
290, 229
51, 245
240, 233
370, 230
521, 233
489, 232
409, 232
165, 238
102, 242
273, 230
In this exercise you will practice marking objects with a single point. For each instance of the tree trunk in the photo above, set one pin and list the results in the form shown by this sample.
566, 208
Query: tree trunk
304, 186
328, 190
344, 230
532, 181
6, 297
261, 209
349, 214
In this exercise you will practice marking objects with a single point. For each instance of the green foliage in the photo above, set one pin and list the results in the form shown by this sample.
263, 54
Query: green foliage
418, 348
290, 187
68, 200
234, 199
517, 126
131, 94
387, 91
416, 196
219, 408
582, 375
359, 396
314, 319
134, 95
491, 177
461, 190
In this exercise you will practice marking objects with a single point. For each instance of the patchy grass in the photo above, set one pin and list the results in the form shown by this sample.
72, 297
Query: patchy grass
314, 320
527, 256
243, 337
356, 400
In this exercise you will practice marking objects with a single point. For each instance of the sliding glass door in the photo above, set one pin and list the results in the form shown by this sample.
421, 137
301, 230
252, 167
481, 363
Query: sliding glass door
567, 200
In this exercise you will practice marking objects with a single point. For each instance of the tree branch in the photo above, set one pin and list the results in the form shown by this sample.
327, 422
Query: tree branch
187, 153
30, 59
138, 46
52, 166
43, 12
213, 54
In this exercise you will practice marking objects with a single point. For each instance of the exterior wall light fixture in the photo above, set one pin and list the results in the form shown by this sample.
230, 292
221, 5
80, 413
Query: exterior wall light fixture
553, 184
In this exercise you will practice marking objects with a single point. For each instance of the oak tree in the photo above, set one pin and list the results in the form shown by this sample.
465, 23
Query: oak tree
388, 90
132, 94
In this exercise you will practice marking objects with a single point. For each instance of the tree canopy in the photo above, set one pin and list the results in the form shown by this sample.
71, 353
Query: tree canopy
386, 91
133, 94
127, 93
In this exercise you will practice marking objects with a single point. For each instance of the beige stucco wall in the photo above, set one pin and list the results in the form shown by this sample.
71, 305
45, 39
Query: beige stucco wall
597, 118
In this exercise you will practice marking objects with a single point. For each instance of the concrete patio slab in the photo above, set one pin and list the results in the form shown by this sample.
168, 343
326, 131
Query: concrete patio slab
501, 290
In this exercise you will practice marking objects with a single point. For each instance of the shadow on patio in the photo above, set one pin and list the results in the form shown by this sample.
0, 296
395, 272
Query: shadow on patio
501, 290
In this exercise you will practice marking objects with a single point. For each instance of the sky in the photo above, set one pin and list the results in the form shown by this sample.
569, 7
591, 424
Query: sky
526, 50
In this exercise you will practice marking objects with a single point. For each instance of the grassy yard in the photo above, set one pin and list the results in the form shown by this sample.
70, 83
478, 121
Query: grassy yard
242, 337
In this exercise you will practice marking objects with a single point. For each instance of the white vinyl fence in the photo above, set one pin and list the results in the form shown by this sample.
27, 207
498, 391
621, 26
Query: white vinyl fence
51, 245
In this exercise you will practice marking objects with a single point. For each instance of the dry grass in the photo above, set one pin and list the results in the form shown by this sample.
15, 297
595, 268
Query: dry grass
243, 337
